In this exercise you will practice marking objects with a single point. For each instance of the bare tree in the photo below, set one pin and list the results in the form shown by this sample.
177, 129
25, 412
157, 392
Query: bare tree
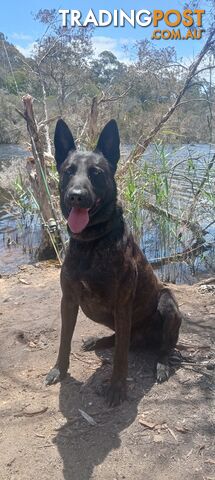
143, 142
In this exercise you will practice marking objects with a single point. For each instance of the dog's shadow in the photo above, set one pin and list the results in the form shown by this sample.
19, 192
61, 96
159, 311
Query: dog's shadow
83, 446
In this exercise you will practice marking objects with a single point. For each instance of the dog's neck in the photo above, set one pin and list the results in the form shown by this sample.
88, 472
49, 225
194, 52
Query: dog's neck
113, 224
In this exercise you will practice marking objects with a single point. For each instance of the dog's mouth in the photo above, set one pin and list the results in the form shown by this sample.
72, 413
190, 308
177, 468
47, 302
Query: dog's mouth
79, 217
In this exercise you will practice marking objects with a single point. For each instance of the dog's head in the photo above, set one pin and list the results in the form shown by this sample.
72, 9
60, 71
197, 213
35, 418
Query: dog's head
87, 185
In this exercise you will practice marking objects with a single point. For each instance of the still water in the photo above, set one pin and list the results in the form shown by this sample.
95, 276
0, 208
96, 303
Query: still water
19, 235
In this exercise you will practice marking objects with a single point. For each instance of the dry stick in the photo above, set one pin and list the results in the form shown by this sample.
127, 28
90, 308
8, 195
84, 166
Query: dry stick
114, 98
49, 120
94, 111
142, 144
31, 414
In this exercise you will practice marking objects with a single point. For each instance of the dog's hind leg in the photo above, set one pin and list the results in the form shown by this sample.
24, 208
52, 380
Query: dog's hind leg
171, 316
94, 343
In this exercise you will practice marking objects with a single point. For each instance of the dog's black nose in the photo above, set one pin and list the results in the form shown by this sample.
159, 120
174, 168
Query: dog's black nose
76, 196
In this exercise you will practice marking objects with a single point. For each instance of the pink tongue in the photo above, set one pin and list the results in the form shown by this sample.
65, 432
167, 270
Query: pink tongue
78, 219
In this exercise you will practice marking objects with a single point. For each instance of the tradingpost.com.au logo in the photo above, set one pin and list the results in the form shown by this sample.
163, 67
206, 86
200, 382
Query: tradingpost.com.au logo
171, 19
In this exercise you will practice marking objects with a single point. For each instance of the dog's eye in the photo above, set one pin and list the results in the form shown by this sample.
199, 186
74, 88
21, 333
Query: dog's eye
94, 172
71, 170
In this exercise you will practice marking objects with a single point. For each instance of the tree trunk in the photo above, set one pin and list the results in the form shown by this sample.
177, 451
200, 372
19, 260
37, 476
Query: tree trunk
46, 127
93, 122
38, 179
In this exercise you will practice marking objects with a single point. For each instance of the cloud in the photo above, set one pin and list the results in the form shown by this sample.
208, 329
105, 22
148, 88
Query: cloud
100, 43
28, 50
21, 36
114, 45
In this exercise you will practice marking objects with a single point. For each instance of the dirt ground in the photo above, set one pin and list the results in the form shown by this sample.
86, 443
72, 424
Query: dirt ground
161, 432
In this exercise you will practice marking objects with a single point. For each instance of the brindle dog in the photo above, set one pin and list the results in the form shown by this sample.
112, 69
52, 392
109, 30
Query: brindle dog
105, 272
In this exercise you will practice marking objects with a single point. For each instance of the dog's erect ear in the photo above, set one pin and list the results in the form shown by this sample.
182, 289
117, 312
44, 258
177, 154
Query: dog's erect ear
63, 142
108, 143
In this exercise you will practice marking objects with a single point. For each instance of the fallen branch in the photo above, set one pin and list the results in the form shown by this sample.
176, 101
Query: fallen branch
207, 281
193, 226
178, 257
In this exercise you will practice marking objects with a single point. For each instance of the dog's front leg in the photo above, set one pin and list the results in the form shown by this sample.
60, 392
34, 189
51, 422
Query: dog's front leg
117, 390
69, 312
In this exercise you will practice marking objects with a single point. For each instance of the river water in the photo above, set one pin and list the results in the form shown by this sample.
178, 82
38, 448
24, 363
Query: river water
20, 235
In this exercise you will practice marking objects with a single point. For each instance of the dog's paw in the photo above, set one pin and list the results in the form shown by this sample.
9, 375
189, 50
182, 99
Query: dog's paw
116, 394
163, 372
54, 376
175, 358
89, 344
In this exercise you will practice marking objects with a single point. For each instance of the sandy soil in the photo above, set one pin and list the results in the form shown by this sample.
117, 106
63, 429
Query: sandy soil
162, 431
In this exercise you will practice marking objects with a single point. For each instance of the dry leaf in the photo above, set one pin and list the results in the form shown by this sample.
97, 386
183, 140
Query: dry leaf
158, 438
21, 280
87, 417
172, 433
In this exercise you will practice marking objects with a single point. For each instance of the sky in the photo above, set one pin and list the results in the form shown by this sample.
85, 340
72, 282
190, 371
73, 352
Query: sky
20, 28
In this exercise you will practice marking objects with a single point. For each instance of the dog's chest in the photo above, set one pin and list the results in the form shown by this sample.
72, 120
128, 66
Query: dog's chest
94, 279
85, 285
97, 301
98, 288
95, 272
94, 268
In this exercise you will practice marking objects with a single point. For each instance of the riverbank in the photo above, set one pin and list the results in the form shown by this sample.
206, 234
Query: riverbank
163, 431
